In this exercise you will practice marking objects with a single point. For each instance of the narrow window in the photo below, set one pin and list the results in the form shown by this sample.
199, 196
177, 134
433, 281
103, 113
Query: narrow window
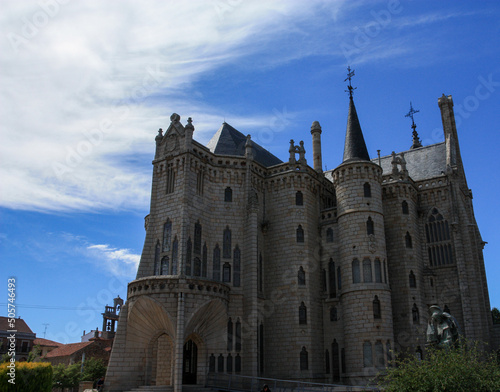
412, 279
331, 278
356, 274
369, 226
229, 363
170, 180
379, 354
228, 195
164, 266
342, 360
367, 190
226, 272
302, 313
237, 267
226, 243
197, 238
211, 363
167, 235
367, 354
438, 238
220, 364
237, 345
204, 261
378, 271
339, 279
299, 199
327, 362
335, 360
333, 313
175, 252
415, 314
408, 240
304, 360
230, 335
404, 207
156, 267
216, 264
329, 235
196, 266
188, 257
237, 363
199, 183
376, 308
300, 234
367, 271
301, 277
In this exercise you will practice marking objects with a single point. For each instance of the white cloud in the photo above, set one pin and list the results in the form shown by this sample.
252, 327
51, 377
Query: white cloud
119, 262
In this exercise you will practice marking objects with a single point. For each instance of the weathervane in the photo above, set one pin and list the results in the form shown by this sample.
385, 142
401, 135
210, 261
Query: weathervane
416, 140
350, 74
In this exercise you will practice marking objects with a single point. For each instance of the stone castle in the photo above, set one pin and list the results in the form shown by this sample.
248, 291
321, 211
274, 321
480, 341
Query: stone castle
259, 267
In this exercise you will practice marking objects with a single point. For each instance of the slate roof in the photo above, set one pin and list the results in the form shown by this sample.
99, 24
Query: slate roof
422, 163
46, 342
229, 141
67, 349
21, 326
355, 146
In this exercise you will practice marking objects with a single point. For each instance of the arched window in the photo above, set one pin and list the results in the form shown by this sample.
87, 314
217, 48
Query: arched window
216, 264
408, 240
237, 363
302, 313
415, 314
170, 180
367, 354
156, 267
188, 257
333, 313
339, 279
164, 266
220, 364
331, 279
367, 271
376, 308
228, 195
369, 226
356, 274
367, 190
329, 235
237, 267
197, 238
229, 334
299, 199
237, 345
226, 244
229, 363
379, 354
412, 279
378, 271
196, 266
437, 233
226, 272
204, 261
167, 235
304, 360
300, 234
211, 363
175, 253
404, 207
301, 277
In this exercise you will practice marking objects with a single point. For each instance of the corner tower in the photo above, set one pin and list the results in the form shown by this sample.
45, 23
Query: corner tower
365, 289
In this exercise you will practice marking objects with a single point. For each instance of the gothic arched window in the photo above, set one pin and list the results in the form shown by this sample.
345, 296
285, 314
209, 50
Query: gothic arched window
229, 363
367, 190
237, 363
300, 234
412, 279
226, 244
367, 271
226, 272
216, 264
299, 198
301, 277
408, 240
376, 308
167, 235
369, 226
237, 267
220, 364
164, 266
302, 313
378, 271
356, 273
304, 360
228, 195
404, 207
438, 237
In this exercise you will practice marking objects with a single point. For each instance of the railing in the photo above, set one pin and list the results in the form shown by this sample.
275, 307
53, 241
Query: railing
237, 383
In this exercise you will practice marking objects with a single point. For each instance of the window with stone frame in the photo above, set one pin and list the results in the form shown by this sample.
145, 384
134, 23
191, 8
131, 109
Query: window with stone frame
301, 277
196, 266
300, 234
378, 271
438, 238
367, 271
237, 267
304, 359
367, 354
408, 241
189, 251
367, 190
211, 363
299, 198
229, 363
356, 273
376, 308
164, 266
370, 229
199, 182
226, 243
167, 235
237, 363
302, 313
216, 264
228, 195
175, 254
404, 207
220, 364
412, 279
226, 272
197, 238
329, 235
170, 179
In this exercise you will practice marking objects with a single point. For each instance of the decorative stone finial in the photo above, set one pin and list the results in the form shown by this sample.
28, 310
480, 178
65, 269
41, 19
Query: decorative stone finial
175, 118
159, 137
190, 123
315, 127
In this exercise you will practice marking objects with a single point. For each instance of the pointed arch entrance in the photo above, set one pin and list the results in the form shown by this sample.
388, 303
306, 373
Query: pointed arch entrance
190, 362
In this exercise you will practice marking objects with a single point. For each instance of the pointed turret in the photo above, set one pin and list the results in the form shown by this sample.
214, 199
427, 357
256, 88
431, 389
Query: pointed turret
355, 147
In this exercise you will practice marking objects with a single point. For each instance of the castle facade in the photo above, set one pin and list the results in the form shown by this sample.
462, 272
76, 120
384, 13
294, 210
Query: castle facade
259, 267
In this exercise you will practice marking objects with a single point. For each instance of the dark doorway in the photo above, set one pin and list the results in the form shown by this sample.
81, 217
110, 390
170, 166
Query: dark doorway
190, 362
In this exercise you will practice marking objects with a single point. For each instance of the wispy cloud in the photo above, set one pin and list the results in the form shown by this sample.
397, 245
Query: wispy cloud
120, 262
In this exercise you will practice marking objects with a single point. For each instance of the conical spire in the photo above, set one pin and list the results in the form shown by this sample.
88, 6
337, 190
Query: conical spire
355, 147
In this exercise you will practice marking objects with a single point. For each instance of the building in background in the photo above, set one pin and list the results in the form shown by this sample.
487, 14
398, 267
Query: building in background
24, 338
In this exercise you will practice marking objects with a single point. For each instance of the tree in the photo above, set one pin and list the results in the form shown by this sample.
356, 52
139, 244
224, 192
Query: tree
495, 313
34, 353
93, 369
66, 376
465, 368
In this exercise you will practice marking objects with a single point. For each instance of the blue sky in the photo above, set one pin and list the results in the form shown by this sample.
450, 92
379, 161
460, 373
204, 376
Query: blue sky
84, 87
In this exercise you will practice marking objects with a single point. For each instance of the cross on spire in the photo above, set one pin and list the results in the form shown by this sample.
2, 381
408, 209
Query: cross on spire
416, 140
410, 114
350, 74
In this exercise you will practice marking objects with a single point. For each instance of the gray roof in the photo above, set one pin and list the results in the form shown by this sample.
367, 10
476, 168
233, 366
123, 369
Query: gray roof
422, 163
229, 141
355, 146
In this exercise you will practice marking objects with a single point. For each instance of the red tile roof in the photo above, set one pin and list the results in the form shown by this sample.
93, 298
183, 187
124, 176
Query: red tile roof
46, 342
21, 325
67, 349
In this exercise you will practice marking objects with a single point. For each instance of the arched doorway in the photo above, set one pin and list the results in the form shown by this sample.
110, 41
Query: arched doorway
190, 362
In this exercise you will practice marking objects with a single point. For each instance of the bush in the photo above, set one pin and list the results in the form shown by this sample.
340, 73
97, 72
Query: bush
66, 376
93, 369
29, 377
462, 369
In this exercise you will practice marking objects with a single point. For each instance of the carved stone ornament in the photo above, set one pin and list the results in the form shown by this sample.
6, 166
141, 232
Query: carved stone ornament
372, 245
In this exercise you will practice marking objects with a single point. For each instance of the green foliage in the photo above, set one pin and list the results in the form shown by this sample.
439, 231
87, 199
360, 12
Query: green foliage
34, 353
29, 377
93, 369
66, 376
495, 313
462, 369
